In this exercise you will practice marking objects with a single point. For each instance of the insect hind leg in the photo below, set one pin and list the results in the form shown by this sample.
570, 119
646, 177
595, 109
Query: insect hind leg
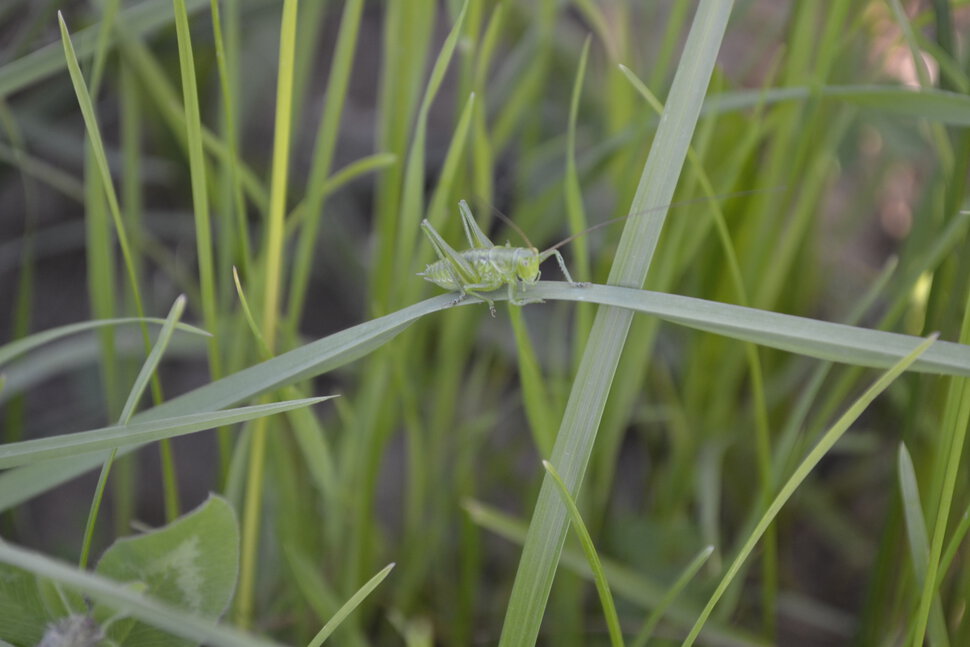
478, 295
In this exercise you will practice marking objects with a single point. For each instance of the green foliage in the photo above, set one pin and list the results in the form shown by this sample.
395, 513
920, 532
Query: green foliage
191, 563
709, 401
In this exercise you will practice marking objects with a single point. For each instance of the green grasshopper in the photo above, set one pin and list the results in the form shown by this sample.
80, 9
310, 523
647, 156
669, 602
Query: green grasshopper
486, 267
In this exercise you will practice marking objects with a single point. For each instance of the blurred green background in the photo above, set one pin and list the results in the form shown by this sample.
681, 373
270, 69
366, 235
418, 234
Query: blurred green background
837, 186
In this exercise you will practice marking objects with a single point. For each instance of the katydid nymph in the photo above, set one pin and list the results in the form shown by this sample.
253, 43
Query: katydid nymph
486, 267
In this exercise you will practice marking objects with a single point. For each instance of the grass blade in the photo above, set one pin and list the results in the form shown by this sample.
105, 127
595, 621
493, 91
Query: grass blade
24, 345
800, 474
200, 194
679, 584
602, 585
540, 555
919, 541
178, 622
349, 606
136, 433
811, 337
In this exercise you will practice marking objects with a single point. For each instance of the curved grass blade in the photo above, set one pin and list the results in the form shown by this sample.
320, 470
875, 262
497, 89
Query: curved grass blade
349, 606
307, 361
134, 397
826, 443
16, 348
97, 147
636, 589
685, 577
602, 585
811, 337
41, 450
939, 106
837, 342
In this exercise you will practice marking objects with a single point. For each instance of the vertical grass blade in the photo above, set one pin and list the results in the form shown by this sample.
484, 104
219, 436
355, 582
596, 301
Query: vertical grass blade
200, 193
602, 586
919, 542
326, 143
271, 298
574, 443
956, 419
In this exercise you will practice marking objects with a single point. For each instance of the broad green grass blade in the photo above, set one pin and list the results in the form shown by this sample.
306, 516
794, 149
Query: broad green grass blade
801, 335
591, 387
796, 334
589, 550
39, 450
349, 606
805, 468
178, 622
19, 347
938, 106
919, 540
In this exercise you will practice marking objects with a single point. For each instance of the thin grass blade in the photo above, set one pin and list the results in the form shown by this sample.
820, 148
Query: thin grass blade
827, 441
349, 606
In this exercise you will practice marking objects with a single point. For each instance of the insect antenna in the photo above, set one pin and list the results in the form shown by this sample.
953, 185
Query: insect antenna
678, 203
508, 221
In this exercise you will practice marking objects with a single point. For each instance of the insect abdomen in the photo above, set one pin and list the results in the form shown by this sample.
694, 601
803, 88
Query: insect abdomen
490, 268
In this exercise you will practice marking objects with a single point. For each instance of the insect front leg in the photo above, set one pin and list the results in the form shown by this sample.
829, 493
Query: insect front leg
562, 266
514, 290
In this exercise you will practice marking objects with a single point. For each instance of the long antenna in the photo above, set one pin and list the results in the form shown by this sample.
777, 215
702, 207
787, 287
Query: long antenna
678, 203
518, 230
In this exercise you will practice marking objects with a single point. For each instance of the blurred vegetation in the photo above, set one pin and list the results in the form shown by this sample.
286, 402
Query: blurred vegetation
297, 147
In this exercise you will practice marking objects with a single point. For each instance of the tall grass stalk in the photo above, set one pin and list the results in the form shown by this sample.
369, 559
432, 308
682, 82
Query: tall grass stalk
592, 382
